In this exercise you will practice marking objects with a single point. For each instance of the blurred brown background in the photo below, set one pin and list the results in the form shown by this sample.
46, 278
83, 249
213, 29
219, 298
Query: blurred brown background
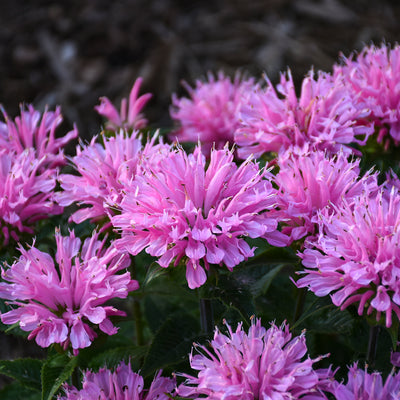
71, 52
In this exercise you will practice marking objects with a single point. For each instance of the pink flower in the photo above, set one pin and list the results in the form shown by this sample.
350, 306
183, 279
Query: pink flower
374, 77
210, 115
356, 257
105, 169
56, 303
26, 193
119, 385
33, 131
324, 117
200, 215
263, 364
311, 181
129, 118
364, 386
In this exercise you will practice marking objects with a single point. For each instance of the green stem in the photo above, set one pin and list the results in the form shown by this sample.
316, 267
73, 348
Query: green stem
372, 344
206, 316
137, 311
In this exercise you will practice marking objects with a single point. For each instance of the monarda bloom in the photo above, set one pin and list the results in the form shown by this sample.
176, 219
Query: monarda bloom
356, 256
26, 193
63, 302
362, 385
324, 117
122, 384
31, 130
105, 170
373, 76
211, 114
310, 181
200, 215
129, 117
260, 364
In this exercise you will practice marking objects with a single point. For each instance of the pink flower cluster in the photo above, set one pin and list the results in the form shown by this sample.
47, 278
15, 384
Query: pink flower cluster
29, 156
122, 384
199, 214
105, 171
211, 114
311, 181
260, 364
129, 117
324, 116
56, 302
356, 256
362, 385
373, 76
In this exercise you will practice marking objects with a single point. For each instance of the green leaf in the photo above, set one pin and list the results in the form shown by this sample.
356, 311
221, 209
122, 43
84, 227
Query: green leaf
15, 391
262, 285
172, 343
25, 370
274, 255
233, 293
55, 371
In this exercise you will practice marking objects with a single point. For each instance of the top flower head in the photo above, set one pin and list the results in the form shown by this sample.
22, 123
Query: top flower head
210, 115
31, 130
129, 117
356, 257
185, 210
374, 78
121, 384
260, 364
56, 303
324, 117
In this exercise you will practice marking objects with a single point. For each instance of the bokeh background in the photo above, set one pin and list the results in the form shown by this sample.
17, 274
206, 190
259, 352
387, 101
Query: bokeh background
71, 52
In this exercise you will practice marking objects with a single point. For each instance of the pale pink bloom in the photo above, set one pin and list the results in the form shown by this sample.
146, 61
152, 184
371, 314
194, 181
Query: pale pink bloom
62, 302
122, 384
374, 75
31, 130
105, 170
260, 364
199, 214
362, 385
26, 193
211, 114
129, 117
324, 117
312, 180
356, 257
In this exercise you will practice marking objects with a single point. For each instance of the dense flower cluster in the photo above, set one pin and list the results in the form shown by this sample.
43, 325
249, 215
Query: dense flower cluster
356, 257
362, 385
129, 117
202, 214
374, 75
211, 114
105, 170
311, 181
31, 130
260, 364
324, 117
55, 302
122, 384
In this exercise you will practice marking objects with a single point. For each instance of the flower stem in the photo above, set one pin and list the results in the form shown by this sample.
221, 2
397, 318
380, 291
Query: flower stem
206, 316
372, 344
137, 311
300, 301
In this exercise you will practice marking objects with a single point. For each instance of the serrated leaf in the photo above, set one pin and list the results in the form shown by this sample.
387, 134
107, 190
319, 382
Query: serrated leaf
25, 370
55, 371
172, 343
15, 391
